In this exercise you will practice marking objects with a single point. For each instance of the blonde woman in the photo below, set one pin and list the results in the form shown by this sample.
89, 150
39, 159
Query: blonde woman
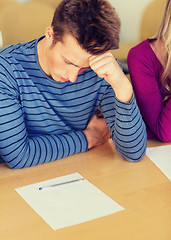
150, 71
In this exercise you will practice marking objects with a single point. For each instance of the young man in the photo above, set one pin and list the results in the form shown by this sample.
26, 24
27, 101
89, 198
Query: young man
50, 89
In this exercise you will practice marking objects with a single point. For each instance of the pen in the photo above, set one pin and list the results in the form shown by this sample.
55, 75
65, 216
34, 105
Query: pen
62, 183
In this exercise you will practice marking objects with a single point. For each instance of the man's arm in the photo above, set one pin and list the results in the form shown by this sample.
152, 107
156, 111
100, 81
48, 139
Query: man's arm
107, 67
20, 150
96, 132
120, 109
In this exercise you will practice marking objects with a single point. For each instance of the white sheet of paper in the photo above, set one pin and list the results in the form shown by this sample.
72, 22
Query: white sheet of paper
161, 157
68, 204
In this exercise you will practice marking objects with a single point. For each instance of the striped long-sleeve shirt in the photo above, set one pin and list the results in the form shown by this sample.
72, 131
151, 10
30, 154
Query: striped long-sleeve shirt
43, 120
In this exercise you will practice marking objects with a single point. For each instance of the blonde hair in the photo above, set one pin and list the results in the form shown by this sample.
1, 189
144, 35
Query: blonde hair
164, 34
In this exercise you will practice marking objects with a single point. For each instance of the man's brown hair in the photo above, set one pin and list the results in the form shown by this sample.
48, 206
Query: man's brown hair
93, 23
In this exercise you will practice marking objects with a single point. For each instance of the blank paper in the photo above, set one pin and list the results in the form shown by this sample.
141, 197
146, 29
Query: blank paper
68, 204
161, 157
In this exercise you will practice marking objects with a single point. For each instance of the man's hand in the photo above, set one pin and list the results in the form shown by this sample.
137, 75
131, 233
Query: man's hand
107, 67
96, 132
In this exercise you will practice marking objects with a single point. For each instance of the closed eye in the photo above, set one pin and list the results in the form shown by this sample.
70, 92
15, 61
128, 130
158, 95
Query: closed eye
70, 63
67, 62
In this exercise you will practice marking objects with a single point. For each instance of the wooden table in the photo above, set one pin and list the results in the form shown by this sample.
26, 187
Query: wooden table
141, 188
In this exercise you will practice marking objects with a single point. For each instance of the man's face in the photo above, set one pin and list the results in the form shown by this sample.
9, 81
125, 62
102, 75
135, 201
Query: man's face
66, 59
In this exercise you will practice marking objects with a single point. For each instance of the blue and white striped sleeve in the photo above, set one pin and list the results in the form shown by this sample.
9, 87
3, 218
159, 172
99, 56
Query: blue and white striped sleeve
126, 126
17, 148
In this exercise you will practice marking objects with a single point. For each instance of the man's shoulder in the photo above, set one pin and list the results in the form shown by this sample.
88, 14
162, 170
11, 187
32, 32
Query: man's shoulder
14, 57
17, 49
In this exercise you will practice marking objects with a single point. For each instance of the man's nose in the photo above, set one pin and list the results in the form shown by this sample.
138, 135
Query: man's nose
73, 74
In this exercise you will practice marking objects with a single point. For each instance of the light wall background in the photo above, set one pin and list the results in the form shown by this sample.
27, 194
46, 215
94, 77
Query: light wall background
130, 12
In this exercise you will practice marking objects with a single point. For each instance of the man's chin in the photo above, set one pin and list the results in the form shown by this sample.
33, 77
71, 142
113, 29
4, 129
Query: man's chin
64, 79
59, 78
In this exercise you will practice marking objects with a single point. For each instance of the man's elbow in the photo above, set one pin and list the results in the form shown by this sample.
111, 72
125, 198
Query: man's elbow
135, 156
12, 166
15, 164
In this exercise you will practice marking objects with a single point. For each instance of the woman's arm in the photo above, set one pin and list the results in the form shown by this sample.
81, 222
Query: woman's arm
156, 112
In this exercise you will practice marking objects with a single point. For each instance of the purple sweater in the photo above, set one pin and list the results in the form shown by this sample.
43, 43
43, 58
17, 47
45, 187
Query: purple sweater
145, 72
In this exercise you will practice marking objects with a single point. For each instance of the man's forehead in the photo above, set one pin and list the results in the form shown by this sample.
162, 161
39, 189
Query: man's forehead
73, 52
77, 63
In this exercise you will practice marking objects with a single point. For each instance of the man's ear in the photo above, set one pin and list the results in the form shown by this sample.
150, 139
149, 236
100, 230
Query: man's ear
49, 33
